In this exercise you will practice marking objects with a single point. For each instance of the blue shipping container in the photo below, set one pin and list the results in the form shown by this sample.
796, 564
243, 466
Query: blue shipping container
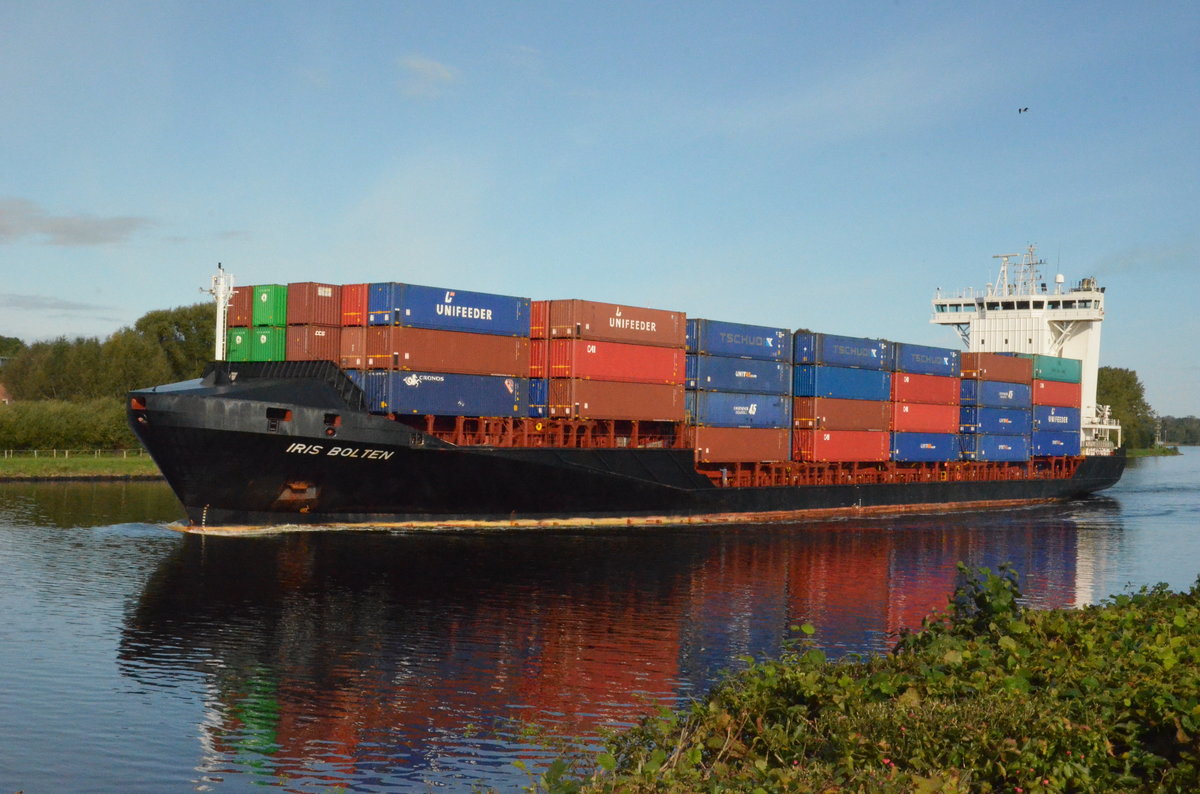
375, 385
721, 409
841, 351
996, 394
381, 303
1056, 418
1052, 443
358, 376
995, 421
716, 338
539, 397
841, 382
925, 447
416, 306
749, 375
921, 360
1003, 448
455, 395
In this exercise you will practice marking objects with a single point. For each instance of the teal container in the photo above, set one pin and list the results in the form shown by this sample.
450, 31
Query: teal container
237, 344
268, 343
270, 305
1064, 370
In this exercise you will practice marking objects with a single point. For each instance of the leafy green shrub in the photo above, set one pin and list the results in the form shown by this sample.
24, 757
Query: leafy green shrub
987, 697
59, 424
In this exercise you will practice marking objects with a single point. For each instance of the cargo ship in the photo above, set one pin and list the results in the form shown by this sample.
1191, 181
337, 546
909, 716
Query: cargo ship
393, 404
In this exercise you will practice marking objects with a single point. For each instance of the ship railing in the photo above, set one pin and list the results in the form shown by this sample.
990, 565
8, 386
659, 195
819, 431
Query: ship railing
797, 473
469, 431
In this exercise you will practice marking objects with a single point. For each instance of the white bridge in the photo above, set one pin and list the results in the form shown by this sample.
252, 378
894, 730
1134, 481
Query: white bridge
1021, 313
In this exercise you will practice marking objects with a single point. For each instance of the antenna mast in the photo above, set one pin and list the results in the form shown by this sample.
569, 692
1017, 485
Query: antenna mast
222, 291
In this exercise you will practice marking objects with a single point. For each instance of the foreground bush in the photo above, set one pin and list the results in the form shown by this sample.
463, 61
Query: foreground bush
60, 424
987, 697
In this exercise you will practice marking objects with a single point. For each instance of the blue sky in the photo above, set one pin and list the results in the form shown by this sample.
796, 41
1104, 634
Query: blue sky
798, 164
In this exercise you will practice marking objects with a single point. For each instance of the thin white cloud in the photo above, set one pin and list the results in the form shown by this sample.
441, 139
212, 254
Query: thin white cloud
424, 78
21, 219
1180, 256
43, 303
904, 87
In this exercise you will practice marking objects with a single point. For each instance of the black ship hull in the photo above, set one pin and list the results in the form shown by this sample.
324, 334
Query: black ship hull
292, 443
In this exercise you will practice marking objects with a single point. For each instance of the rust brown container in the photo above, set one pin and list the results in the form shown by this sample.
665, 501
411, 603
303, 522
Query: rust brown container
739, 444
313, 343
831, 413
309, 303
841, 446
428, 350
354, 304
993, 366
539, 319
1057, 393
610, 322
573, 398
241, 308
909, 387
587, 358
353, 348
539, 358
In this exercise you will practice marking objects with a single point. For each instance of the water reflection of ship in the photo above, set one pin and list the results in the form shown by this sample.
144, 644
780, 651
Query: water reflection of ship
350, 652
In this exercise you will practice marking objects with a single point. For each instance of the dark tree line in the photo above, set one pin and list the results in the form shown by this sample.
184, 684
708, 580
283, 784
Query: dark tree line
163, 346
1181, 430
1123, 391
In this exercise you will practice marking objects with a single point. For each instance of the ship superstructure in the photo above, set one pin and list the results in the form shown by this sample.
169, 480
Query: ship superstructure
1023, 313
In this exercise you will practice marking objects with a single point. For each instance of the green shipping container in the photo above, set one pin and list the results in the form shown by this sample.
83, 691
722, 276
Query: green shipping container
237, 344
268, 343
1065, 370
270, 304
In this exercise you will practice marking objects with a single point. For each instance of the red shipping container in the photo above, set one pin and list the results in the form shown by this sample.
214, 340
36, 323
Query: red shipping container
574, 398
595, 360
313, 343
354, 304
925, 418
831, 413
841, 446
609, 322
993, 366
1057, 393
309, 303
354, 347
428, 350
933, 389
739, 444
539, 358
539, 319
241, 308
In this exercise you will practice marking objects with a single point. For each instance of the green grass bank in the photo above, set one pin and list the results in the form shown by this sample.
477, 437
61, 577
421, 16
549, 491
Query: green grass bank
987, 697
77, 464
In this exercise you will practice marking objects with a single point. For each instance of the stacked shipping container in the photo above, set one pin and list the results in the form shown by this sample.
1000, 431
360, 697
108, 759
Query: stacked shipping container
753, 393
996, 417
841, 407
431, 350
925, 400
1057, 401
609, 361
739, 384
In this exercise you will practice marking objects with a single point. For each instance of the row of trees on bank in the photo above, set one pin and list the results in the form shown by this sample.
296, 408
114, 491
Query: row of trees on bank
1181, 430
163, 346
1123, 392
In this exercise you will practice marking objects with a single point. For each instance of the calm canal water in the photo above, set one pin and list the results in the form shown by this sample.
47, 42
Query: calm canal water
138, 659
